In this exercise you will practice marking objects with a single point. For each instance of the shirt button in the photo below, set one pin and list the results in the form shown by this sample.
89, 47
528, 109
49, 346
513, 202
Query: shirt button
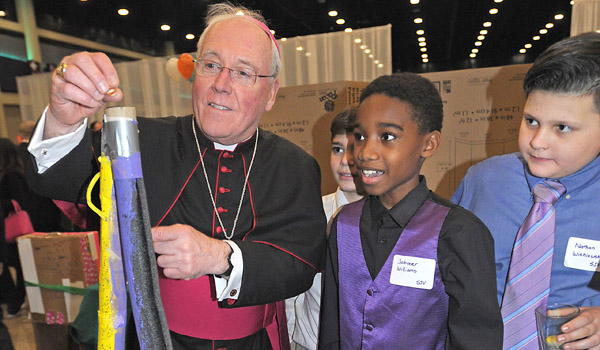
233, 293
369, 327
44, 151
370, 292
223, 190
225, 170
383, 240
219, 229
220, 210
568, 196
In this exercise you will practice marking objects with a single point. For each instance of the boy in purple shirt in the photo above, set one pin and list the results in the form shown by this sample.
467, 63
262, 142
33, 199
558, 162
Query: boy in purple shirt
405, 268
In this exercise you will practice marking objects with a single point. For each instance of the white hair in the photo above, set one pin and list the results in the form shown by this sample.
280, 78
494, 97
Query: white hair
223, 11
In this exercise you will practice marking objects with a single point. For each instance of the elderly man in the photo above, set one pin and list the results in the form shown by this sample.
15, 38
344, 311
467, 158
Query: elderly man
236, 211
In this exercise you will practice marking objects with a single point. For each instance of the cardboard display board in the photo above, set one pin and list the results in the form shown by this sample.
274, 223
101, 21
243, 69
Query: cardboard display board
303, 115
483, 109
482, 112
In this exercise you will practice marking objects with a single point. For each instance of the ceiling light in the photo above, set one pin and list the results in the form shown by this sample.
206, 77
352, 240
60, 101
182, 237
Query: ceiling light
424, 55
368, 51
559, 17
371, 56
362, 47
380, 65
421, 38
165, 27
425, 60
376, 61
422, 44
299, 48
2, 13
348, 30
272, 31
481, 37
340, 21
190, 36
483, 32
522, 51
498, 1
420, 32
283, 39
423, 49
472, 55
493, 11
357, 40
123, 12
527, 46
487, 24
536, 37
475, 50
414, 2
332, 13
543, 31
572, 2
83, 0
307, 54
418, 20
549, 25
478, 43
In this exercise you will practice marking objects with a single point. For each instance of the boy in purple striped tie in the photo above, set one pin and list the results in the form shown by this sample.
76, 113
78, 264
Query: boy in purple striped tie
554, 257
405, 268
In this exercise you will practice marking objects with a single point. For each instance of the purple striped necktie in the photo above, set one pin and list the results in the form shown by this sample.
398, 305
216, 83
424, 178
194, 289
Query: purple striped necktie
528, 283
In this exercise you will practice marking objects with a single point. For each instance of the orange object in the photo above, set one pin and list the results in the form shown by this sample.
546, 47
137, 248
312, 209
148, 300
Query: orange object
185, 64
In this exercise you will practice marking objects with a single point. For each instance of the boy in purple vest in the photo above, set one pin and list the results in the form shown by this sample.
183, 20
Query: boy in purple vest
405, 268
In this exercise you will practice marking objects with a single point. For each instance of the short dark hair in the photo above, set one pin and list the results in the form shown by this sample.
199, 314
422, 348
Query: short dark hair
344, 121
418, 92
570, 66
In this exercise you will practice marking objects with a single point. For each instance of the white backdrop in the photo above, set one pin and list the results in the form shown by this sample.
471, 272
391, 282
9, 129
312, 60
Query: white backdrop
325, 58
585, 16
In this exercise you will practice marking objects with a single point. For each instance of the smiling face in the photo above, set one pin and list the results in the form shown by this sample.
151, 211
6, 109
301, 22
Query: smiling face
227, 112
339, 161
559, 134
388, 148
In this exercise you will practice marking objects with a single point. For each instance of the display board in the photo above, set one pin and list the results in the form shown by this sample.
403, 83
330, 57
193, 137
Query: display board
482, 112
303, 115
483, 109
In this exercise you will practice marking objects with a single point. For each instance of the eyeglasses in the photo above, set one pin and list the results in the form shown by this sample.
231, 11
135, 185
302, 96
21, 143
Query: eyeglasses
242, 76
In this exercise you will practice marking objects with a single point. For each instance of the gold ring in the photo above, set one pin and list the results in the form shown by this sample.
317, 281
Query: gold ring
61, 70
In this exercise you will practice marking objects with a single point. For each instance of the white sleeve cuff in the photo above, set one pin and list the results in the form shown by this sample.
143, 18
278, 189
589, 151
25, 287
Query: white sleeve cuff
48, 152
229, 287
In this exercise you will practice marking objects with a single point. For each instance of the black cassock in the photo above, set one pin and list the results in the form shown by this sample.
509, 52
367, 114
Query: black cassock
281, 226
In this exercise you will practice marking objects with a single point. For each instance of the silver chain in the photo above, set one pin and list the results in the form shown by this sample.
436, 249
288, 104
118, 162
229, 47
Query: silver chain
212, 198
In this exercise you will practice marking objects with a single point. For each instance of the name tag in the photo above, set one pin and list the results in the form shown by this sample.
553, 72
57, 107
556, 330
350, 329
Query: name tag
583, 254
410, 271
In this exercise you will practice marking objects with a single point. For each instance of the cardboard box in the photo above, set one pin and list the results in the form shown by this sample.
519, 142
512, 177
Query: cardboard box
303, 115
53, 262
53, 337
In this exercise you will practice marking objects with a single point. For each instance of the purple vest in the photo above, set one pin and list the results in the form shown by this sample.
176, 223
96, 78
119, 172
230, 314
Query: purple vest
376, 314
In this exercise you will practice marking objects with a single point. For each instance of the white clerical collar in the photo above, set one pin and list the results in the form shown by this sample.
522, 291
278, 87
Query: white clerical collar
220, 147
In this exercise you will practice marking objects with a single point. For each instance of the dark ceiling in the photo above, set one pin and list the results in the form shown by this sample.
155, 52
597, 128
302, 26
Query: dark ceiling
451, 26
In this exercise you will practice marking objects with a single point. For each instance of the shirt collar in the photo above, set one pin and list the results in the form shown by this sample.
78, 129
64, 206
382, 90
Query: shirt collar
574, 182
404, 210
340, 198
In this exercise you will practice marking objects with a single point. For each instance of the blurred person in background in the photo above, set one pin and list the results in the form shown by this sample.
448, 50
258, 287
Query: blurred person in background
12, 187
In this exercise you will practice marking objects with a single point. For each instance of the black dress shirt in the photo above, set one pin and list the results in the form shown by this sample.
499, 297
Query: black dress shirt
465, 259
